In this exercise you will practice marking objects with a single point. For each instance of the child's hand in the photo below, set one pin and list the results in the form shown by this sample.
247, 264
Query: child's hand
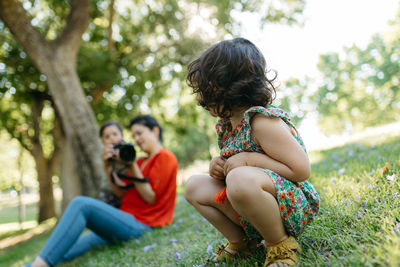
217, 168
234, 161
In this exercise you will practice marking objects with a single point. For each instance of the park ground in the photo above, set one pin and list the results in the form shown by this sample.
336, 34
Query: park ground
358, 223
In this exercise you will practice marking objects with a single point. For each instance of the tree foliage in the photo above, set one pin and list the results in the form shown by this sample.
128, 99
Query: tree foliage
294, 97
360, 86
140, 69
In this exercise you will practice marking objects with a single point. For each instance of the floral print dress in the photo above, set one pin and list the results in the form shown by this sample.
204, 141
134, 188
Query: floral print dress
298, 202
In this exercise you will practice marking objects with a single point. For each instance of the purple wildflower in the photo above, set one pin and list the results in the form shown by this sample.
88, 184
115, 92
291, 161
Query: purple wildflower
173, 240
341, 171
147, 248
177, 255
335, 157
358, 215
391, 177
209, 249
396, 227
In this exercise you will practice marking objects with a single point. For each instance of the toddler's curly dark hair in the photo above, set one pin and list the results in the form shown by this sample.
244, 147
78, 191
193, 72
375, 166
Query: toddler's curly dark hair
231, 74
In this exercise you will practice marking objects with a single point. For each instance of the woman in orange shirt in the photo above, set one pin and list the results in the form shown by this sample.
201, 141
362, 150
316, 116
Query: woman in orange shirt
147, 188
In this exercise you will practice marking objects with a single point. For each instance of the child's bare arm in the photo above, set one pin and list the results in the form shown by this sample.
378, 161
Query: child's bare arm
284, 155
254, 159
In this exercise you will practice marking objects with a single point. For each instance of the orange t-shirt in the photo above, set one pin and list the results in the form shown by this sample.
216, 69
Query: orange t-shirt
161, 170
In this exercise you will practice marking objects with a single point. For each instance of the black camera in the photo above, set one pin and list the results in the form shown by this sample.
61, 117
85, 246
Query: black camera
126, 151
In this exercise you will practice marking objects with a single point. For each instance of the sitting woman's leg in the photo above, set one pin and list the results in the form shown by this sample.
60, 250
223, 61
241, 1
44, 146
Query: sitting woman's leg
85, 243
107, 222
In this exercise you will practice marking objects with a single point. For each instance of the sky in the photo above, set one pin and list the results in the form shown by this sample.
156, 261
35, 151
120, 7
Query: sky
330, 25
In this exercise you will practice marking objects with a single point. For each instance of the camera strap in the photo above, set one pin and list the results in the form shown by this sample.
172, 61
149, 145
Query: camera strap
130, 178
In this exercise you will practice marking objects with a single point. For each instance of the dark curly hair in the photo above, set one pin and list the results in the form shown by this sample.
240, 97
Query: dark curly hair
231, 74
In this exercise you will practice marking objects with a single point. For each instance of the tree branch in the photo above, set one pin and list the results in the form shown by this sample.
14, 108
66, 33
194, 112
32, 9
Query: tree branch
77, 23
57, 134
110, 42
17, 20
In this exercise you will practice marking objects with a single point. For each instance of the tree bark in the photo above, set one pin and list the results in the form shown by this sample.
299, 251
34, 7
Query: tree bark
46, 194
57, 60
69, 179
21, 204
110, 42
70, 183
44, 167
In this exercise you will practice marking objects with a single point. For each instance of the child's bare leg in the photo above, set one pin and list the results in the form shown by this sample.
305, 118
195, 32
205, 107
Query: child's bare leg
199, 191
252, 194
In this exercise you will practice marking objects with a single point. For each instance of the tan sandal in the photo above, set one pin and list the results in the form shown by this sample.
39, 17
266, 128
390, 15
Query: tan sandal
241, 249
283, 252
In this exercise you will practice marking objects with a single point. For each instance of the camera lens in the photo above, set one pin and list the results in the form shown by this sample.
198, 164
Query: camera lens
127, 152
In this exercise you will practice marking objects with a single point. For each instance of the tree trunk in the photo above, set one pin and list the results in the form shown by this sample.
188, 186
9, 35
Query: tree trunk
78, 120
57, 60
44, 166
70, 183
46, 200
21, 205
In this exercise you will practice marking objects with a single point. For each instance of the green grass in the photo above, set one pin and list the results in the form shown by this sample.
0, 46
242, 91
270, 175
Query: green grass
23, 252
358, 223
10, 214
13, 233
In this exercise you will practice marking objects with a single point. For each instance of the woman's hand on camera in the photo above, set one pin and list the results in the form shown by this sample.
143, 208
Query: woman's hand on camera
107, 153
217, 168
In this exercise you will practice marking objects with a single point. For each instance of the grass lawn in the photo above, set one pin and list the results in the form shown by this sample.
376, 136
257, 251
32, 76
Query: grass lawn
358, 223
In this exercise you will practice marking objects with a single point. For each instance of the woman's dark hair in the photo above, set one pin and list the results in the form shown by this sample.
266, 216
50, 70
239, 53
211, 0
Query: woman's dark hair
149, 122
110, 123
231, 74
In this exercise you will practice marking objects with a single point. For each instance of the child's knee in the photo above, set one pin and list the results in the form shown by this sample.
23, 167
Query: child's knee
192, 185
240, 184
238, 177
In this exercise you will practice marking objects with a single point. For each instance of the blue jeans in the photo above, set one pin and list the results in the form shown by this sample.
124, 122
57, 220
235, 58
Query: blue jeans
108, 225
